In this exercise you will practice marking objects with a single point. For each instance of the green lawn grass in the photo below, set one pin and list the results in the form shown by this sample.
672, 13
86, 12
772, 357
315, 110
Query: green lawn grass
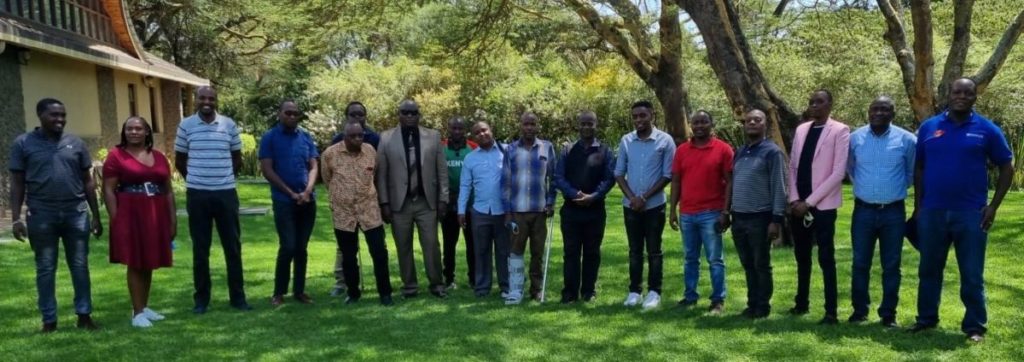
464, 327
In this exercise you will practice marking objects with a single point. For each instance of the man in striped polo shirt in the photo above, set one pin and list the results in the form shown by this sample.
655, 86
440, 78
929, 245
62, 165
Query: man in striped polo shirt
208, 154
757, 201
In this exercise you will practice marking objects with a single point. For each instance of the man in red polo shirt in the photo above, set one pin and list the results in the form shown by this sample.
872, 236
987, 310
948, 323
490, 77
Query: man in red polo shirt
701, 175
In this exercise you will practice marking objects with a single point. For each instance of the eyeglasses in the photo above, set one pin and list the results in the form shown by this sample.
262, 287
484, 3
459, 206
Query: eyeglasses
410, 112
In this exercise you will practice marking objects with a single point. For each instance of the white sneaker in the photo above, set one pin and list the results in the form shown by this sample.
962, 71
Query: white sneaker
653, 300
141, 321
152, 315
504, 295
632, 300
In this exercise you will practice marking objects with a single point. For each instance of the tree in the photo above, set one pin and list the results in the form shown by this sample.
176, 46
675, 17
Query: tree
660, 69
917, 65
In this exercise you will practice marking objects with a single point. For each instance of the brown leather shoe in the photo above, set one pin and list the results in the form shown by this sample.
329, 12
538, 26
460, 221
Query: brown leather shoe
49, 327
276, 300
303, 298
85, 322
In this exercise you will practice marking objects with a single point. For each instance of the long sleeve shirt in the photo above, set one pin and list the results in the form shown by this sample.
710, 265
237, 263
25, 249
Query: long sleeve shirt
483, 173
589, 169
759, 180
529, 174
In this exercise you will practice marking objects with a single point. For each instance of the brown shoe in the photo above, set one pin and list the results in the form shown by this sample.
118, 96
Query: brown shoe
85, 322
276, 300
303, 298
49, 327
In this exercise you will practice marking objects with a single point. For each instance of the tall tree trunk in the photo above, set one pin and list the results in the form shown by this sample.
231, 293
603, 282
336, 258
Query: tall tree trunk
736, 67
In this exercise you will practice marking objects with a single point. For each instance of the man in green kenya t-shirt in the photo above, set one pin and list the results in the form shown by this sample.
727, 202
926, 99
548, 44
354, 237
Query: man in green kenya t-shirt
455, 150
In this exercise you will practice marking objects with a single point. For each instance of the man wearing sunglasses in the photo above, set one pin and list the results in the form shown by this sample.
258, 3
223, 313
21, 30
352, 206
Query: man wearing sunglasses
412, 187
288, 158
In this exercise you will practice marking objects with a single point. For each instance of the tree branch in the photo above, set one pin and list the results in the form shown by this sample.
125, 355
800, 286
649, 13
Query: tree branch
923, 99
781, 8
631, 19
954, 67
999, 55
614, 35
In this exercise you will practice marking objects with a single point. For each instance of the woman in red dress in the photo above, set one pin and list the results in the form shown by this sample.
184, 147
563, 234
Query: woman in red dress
140, 200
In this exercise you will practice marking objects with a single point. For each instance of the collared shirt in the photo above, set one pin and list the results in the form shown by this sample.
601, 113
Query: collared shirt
369, 136
954, 159
759, 180
644, 162
881, 166
349, 179
454, 159
411, 142
53, 169
529, 174
290, 152
209, 147
585, 168
702, 175
483, 173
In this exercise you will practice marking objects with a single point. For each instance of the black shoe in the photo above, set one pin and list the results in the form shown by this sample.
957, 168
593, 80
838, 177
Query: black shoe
49, 327
919, 327
351, 300
410, 295
686, 303
85, 322
481, 294
798, 311
590, 297
199, 309
747, 312
857, 318
440, 294
889, 322
761, 313
828, 320
976, 337
243, 306
567, 300
386, 301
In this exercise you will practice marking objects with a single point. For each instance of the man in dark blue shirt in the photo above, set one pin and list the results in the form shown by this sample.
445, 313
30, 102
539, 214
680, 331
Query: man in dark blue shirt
953, 210
50, 170
288, 158
584, 174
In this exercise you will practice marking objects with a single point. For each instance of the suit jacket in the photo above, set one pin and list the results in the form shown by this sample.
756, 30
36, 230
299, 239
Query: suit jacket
393, 175
828, 167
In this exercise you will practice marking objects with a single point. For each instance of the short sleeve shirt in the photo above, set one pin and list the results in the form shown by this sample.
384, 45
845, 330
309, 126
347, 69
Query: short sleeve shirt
53, 169
644, 162
955, 159
349, 177
290, 152
702, 172
209, 147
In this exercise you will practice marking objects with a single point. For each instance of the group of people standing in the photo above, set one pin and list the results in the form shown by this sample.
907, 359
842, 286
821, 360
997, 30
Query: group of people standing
501, 197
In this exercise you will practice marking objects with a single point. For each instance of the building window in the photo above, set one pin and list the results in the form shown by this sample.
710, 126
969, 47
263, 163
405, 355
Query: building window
154, 113
83, 17
133, 104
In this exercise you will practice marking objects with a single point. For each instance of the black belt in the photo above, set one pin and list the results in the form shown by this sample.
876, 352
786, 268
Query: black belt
863, 203
148, 188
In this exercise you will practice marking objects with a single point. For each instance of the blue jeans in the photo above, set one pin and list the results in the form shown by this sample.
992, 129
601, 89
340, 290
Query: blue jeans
887, 226
46, 229
699, 230
937, 229
294, 225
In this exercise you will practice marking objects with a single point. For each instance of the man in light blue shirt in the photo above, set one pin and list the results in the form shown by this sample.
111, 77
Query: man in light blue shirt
482, 176
881, 165
208, 154
642, 169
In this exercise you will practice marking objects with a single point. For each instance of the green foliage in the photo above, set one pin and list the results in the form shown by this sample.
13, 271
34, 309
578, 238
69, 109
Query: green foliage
250, 157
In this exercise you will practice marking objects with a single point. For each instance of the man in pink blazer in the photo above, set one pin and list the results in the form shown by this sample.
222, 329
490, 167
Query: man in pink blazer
816, 169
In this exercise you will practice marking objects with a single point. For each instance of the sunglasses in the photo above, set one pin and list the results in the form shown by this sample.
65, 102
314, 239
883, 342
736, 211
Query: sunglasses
410, 113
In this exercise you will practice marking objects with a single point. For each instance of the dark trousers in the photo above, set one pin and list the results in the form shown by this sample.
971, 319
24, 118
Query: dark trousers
886, 225
937, 230
205, 208
582, 234
46, 230
750, 233
643, 229
822, 233
348, 243
450, 230
490, 233
294, 225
